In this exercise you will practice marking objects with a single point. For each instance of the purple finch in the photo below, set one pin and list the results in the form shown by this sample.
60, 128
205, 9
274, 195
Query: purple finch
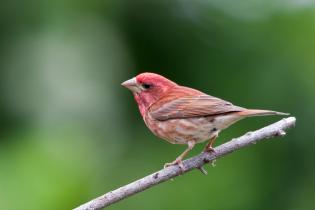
182, 115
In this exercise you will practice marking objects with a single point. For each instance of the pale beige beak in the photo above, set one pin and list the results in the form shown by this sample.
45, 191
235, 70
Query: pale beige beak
131, 84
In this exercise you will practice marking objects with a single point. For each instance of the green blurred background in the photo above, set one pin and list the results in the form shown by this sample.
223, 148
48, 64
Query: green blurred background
69, 132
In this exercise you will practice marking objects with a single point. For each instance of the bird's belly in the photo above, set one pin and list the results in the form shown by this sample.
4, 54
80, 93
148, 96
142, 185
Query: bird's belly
180, 131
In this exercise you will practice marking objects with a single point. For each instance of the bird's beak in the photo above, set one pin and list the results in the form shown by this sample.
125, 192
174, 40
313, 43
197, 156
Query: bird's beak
131, 84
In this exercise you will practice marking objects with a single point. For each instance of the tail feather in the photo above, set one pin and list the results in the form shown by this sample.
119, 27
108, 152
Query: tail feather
258, 112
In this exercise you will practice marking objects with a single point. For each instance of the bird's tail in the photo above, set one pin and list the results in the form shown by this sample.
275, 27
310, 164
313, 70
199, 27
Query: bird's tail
258, 112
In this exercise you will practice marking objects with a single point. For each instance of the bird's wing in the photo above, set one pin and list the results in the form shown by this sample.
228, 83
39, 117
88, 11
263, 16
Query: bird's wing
192, 106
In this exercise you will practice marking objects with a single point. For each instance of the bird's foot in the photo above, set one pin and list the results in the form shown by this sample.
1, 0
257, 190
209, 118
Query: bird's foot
178, 162
209, 149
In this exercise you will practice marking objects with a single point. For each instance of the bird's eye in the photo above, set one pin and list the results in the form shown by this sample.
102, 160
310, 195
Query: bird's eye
146, 86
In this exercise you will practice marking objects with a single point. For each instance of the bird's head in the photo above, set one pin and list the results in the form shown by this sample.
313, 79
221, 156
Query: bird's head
147, 88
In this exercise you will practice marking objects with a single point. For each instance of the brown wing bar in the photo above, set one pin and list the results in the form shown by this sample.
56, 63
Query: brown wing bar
192, 106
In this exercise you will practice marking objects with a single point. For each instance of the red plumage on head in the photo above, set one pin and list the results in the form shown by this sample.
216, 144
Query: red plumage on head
154, 79
158, 87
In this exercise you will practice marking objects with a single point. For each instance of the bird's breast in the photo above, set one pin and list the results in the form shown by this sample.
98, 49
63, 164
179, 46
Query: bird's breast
180, 131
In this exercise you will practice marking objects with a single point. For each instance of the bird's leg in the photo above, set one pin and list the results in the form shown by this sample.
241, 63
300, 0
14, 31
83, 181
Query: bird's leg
209, 147
179, 159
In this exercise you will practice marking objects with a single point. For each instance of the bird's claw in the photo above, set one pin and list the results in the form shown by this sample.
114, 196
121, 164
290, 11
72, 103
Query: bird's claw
176, 162
209, 149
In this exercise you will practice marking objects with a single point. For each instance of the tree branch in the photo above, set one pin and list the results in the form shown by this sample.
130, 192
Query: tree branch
196, 162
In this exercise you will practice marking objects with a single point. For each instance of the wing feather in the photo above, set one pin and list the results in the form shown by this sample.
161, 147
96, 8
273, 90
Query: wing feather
192, 106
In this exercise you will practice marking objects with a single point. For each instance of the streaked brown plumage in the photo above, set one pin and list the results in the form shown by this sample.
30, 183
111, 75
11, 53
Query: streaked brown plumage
182, 115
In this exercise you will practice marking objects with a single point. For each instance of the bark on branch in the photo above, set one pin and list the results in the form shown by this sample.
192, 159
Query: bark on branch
196, 162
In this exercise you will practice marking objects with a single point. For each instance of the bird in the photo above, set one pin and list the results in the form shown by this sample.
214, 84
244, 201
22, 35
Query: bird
183, 115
